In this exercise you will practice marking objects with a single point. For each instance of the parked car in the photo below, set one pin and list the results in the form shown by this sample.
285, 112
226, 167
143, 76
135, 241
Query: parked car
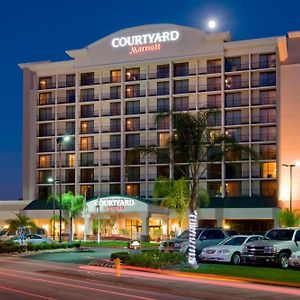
204, 237
229, 250
32, 239
276, 246
294, 260
6, 234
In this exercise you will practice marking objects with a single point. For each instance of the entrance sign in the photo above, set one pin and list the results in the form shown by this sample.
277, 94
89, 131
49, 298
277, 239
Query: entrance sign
116, 203
145, 42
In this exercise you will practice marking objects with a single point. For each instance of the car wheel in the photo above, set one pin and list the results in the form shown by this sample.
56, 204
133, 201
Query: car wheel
236, 258
283, 260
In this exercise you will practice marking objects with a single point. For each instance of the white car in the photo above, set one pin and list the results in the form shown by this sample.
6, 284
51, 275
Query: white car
294, 260
228, 250
32, 239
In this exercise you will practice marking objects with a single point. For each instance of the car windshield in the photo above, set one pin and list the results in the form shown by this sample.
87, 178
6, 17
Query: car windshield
185, 235
280, 234
234, 241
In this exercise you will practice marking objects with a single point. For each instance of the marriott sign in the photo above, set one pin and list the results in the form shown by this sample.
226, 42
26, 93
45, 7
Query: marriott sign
145, 39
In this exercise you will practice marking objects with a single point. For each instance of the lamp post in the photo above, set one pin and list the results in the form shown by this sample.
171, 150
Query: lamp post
53, 181
291, 166
98, 222
59, 142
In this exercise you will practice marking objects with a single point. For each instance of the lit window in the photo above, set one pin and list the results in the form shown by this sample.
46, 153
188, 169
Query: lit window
269, 170
71, 160
163, 139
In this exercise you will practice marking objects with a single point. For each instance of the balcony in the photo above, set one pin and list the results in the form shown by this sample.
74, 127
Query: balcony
236, 84
45, 149
185, 90
264, 137
209, 70
88, 98
159, 75
89, 146
236, 120
135, 94
66, 116
264, 119
184, 72
263, 82
46, 117
236, 102
42, 133
63, 100
47, 86
46, 165
66, 131
68, 147
135, 77
64, 84
106, 129
48, 101
89, 130
109, 79
263, 101
236, 67
111, 96
209, 88
158, 92
89, 81
88, 114
89, 179
263, 64
89, 163
110, 145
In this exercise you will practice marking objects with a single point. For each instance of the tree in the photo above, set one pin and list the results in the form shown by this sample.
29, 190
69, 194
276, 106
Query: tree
72, 205
194, 144
288, 218
20, 221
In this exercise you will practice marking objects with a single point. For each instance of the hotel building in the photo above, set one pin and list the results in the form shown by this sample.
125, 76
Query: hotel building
106, 98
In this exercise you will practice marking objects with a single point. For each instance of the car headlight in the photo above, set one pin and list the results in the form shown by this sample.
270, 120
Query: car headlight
270, 249
223, 251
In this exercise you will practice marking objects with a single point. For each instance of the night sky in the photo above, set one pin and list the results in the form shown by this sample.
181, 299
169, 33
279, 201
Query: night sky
42, 30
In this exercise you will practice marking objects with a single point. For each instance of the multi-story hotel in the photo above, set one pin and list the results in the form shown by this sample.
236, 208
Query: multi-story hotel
107, 96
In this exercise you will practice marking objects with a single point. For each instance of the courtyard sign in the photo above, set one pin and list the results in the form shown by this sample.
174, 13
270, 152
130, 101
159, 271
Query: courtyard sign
145, 42
116, 203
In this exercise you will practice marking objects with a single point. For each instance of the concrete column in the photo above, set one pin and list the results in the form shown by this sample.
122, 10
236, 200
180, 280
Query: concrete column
145, 227
219, 216
88, 225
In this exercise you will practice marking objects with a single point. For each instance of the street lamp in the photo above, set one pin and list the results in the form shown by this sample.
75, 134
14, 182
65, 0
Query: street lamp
53, 181
291, 166
59, 141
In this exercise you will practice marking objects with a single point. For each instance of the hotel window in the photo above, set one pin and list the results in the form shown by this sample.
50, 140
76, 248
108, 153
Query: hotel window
87, 143
132, 91
70, 128
163, 105
115, 141
268, 151
268, 115
87, 175
214, 189
46, 83
132, 157
268, 133
45, 145
45, 114
213, 66
44, 192
45, 99
213, 84
236, 134
163, 171
180, 172
233, 170
214, 119
115, 125
115, 174
45, 161
115, 189
233, 117
115, 157
233, 99
163, 71
44, 175
163, 88
268, 188
70, 176
87, 111
163, 139
115, 109
70, 112
133, 174
70, 80
234, 82
87, 159
268, 170
181, 86
233, 64
214, 101
181, 69
115, 76
267, 61
87, 95
214, 171
87, 127
132, 140
45, 129
115, 92
163, 122
70, 160
132, 124
233, 189
266, 97
132, 107
132, 74
267, 78
181, 103
70, 96
132, 189
163, 156
87, 190
87, 78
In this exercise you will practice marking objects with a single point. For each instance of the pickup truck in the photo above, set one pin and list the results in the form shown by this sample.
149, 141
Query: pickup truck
276, 246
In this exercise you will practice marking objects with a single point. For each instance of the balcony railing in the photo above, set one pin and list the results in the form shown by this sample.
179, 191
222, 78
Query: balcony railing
184, 72
158, 92
159, 75
134, 94
236, 102
263, 64
109, 79
111, 96
89, 81
263, 101
46, 86
209, 88
263, 82
45, 149
186, 90
236, 120
209, 70
135, 77
42, 133
63, 84
46, 117
263, 137
89, 163
46, 165
264, 119
236, 67
89, 98
89, 114
89, 130
48, 101
65, 116
62, 100
109, 128
89, 146
236, 85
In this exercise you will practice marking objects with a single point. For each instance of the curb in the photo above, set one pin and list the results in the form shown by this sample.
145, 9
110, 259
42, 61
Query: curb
199, 276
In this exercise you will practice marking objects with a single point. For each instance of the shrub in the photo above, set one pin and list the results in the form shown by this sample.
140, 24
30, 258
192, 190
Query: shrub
11, 247
122, 255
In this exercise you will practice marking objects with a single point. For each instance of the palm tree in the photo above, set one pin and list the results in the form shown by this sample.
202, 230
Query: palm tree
288, 218
19, 222
193, 146
72, 205
54, 199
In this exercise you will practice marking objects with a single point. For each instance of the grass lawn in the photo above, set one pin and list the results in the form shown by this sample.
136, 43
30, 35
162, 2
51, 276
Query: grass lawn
256, 272
111, 243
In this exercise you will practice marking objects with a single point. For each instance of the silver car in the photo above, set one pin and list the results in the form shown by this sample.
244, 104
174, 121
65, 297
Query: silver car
34, 239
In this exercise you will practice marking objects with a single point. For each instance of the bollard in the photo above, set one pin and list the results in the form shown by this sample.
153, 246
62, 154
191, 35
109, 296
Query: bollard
117, 262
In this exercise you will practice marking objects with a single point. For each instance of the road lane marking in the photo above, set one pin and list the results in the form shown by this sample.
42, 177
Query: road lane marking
25, 293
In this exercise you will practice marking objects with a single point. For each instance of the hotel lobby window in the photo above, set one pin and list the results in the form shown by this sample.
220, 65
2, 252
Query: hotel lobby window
115, 109
132, 189
163, 105
163, 139
87, 78
44, 161
163, 71
132, 124
70, 160
181, 69
181, 86
45, 99
115, 76
132, 74
115, 92
181, 103
132, 107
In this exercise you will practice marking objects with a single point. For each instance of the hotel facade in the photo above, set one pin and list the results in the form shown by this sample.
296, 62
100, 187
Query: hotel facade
107, 96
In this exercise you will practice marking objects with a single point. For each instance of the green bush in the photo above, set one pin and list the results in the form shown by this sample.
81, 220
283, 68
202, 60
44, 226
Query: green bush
122, 255
11, 247
154, 259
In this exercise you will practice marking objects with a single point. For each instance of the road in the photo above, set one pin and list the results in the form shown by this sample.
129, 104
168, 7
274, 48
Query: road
22, 278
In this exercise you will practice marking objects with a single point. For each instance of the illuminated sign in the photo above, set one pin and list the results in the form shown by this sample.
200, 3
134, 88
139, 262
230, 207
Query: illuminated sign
148, 42
116, 203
